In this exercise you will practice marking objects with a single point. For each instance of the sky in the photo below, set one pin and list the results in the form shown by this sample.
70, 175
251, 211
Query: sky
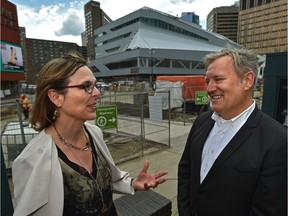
63, 20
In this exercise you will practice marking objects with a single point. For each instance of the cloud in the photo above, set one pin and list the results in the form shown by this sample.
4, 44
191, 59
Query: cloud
181, 1
72, 25
59, 22
64, 21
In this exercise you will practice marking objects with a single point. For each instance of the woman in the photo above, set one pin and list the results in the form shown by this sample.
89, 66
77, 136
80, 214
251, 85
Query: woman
67, 168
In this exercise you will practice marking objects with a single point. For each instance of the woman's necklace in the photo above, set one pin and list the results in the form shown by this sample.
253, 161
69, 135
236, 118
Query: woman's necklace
64, 141
104, 207
99, 187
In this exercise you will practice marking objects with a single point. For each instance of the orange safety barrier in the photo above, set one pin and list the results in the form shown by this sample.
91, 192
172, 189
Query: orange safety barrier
191, 84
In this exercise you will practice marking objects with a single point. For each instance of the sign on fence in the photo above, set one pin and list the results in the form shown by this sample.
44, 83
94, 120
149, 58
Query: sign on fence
201, 97
106, 116
155, 108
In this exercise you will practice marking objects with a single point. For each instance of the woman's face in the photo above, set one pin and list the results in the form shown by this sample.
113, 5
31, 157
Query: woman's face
77, 103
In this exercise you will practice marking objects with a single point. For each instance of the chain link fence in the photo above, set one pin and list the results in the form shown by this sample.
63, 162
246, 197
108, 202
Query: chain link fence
15, 131
143, 120
185, 106
137, 132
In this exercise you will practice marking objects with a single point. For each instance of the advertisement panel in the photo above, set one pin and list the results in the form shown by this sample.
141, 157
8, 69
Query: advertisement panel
11, 57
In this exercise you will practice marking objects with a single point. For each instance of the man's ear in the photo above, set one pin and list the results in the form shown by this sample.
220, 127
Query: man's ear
55, 97
249, 79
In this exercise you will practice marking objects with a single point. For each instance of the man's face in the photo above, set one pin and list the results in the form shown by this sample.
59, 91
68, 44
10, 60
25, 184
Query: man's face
229, 94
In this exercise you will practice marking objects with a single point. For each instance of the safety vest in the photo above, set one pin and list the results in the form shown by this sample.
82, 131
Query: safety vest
25, 103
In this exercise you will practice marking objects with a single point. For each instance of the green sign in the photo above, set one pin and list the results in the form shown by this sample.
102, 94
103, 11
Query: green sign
201, 97
106, 116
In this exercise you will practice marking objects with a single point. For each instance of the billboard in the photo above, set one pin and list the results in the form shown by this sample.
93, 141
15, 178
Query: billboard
11, 57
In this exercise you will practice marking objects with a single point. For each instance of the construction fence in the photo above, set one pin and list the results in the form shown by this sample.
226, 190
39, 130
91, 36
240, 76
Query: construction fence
143, 121
142, 127
183, 105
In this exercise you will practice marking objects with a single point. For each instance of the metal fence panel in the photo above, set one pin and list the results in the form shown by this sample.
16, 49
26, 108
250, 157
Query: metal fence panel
15, 132
135, 135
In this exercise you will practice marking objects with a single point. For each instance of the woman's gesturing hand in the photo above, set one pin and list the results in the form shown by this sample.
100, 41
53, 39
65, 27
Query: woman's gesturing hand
144, 181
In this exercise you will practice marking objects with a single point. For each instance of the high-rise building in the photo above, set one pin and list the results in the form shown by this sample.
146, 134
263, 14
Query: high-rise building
83, 39
263, 25
224, 21
95, 17
190, 17
38, 52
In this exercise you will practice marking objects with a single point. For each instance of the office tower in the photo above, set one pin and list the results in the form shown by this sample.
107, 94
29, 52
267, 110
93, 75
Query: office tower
263, 25
38, 52
95, 17
224, 21
190, 16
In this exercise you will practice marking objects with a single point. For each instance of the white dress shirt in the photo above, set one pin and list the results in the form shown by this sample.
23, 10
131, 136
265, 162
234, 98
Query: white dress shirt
221, 134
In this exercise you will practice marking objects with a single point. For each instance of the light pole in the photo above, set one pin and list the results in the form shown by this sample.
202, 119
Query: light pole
151, 50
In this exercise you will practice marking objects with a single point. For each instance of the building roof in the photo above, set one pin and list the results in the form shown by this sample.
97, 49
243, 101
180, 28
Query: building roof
149, 38
149, 28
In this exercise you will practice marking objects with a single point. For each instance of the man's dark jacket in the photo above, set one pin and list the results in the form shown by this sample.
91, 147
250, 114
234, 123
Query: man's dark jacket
249, 177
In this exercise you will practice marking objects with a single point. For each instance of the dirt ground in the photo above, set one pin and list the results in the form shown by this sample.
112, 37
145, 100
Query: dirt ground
122, 147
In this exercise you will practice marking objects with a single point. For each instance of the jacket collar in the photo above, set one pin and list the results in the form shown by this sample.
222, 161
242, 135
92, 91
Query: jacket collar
236, 141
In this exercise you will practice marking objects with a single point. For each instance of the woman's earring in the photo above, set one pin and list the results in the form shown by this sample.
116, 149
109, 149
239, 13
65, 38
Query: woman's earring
56, 113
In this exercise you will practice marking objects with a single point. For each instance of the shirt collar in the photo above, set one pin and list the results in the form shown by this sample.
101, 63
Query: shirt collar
242, 116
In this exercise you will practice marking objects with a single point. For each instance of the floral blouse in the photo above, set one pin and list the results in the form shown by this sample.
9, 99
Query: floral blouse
81, 191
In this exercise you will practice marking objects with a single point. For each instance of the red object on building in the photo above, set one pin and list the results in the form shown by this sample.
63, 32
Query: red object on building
10, 34
191, 84
9, 22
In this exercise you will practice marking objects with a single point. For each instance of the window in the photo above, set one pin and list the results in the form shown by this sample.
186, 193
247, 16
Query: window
251, 3
243, 4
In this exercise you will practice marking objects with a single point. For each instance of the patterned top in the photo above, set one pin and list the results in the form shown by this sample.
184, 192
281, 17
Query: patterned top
81, 193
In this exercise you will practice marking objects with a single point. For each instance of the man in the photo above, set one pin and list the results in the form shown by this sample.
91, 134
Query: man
25, 105
235, 159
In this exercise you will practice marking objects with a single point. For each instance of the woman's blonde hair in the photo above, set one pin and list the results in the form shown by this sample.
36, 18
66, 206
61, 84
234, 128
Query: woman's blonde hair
54, 75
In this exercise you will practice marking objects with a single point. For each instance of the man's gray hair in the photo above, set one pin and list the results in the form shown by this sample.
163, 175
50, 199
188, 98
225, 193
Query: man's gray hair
244, 60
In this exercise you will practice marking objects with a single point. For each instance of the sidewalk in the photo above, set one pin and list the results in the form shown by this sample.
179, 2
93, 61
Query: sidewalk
164, 160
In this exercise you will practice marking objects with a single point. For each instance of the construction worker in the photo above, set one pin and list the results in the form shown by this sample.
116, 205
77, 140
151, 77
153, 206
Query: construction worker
25, 105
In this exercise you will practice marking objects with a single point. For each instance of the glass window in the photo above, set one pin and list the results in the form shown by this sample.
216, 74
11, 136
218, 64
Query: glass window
244, 5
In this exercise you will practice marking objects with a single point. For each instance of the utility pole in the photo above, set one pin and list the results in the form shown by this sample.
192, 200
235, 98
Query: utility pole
151, 50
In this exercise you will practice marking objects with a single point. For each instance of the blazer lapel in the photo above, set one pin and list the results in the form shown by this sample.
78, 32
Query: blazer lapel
199, 138
239, 138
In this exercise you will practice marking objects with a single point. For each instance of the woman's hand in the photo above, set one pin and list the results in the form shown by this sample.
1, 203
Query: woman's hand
144, 181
